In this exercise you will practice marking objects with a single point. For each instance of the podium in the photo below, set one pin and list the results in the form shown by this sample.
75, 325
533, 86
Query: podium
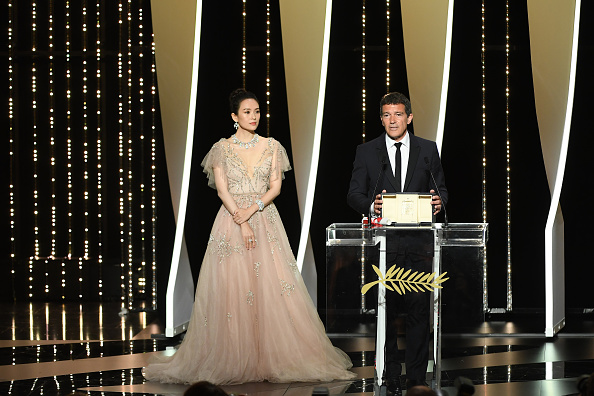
457, 249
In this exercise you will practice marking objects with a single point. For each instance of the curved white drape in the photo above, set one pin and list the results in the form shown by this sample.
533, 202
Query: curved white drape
427, 31
306, 36
554, 82
176, 26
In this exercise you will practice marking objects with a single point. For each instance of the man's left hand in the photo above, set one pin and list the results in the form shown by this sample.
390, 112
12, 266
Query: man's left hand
436, 202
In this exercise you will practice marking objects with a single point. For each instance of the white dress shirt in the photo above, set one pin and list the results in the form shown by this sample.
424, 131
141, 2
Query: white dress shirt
404, 154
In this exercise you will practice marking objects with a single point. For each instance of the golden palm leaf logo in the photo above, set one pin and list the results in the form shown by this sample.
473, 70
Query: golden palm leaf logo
402, 281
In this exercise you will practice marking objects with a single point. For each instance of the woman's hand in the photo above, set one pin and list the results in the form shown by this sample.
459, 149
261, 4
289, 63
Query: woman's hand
242, 215
249, 239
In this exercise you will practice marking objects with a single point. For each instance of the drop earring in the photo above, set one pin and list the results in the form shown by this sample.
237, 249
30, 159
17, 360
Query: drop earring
236, 125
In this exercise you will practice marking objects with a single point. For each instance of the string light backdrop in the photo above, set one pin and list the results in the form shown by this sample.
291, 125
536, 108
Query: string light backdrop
81, 88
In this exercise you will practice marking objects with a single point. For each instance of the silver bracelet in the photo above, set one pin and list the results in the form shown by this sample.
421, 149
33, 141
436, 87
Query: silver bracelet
260, 205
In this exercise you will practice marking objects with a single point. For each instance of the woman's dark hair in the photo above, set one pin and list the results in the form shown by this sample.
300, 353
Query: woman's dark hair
238, 96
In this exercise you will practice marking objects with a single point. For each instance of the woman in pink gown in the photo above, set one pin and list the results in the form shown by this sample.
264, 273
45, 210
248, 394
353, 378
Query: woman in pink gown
253, 319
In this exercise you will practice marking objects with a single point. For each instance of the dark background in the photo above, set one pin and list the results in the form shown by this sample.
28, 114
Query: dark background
220, 73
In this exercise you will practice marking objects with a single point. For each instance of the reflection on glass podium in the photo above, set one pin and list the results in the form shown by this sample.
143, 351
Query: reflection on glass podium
462, 297
350, 252
347, 310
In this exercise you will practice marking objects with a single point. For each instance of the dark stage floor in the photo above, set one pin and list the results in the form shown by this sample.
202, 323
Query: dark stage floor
54, 349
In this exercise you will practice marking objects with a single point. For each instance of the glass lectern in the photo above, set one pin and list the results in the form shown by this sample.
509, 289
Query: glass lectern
352, 248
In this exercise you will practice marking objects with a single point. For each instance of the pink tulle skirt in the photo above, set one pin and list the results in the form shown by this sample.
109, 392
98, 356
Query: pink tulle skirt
253, 319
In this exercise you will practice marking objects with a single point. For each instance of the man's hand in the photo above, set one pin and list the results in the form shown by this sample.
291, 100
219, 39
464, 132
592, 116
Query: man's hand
436, 202
377, 205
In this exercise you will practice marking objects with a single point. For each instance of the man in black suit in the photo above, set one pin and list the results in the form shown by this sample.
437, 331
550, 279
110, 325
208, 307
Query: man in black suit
398, 161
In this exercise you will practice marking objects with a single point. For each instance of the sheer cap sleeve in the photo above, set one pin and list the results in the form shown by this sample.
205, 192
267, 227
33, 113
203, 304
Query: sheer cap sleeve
215, 158
280, 161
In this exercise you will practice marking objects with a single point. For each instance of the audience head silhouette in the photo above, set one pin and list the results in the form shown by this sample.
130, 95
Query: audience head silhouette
585, 385
204, 388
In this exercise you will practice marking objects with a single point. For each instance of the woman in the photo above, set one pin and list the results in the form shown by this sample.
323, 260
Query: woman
253, 319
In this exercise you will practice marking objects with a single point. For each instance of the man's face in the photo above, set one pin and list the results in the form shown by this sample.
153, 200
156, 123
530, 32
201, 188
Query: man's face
395, 120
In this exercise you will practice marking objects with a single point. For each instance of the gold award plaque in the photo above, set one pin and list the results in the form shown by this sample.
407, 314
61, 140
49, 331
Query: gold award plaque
407, 208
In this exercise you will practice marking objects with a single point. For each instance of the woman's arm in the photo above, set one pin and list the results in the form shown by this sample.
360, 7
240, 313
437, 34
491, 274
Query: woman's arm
223, 192
247, 233
242, 215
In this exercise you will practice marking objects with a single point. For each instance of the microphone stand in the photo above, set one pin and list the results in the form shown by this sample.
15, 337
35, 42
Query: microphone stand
372, 208
445, 213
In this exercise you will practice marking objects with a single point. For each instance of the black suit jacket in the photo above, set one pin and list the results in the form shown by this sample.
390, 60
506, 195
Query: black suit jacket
371, 162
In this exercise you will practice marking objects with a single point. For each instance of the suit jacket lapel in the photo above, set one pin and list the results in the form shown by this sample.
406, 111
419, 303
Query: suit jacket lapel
383, 152
413, 157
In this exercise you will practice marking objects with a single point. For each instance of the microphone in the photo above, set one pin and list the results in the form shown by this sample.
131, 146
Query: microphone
445, 213
383, 161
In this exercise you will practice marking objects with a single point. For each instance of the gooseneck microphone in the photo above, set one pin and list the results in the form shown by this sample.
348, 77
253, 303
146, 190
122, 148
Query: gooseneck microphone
445, 213
383, 161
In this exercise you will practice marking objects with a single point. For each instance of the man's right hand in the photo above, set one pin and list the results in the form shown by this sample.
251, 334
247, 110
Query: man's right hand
377, 205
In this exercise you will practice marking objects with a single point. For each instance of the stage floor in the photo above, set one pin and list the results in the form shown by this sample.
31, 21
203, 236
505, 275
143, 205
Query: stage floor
54, 349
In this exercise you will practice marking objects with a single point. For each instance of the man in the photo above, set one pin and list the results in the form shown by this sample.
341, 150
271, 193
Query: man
398, 161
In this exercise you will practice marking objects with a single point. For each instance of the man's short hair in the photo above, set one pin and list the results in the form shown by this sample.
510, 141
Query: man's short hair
394, 98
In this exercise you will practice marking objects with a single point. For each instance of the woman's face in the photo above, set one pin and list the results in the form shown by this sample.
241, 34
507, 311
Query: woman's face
249, 115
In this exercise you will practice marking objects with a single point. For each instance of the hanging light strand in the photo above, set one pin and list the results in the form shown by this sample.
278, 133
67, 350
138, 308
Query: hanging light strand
484, 162
85, 117
68, 150
70, 158
36, 252
142, 275
99, 151
69, 128
243, 43
34, 129
121, 156
129, 159
11, 159
52, 131
387, 45
363, 70
507, 159
363, 114
268, 68
85, 87
153, 173
52, 141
